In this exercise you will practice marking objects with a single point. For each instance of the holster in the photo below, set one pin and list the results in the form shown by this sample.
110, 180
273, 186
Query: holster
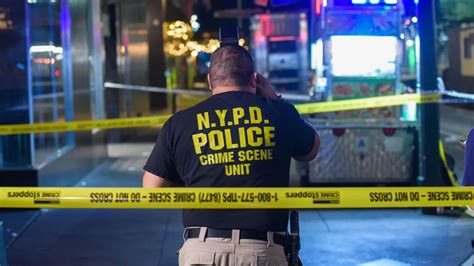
292, 248
293, 244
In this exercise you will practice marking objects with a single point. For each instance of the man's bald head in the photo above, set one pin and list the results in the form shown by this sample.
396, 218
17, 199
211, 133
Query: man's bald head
231, 66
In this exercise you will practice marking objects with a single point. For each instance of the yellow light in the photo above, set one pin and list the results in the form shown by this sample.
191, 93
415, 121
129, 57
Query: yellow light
179, 41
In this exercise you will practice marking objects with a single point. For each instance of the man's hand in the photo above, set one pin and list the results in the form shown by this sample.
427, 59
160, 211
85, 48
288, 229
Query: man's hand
264, 88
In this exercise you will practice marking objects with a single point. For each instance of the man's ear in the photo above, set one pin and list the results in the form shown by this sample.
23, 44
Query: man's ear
209, 81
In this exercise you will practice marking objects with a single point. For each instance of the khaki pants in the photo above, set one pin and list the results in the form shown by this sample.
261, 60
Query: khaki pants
231, 251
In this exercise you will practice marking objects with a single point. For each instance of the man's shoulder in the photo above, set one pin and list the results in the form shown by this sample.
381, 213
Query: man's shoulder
210, 104
190, 112
280, 104
284, 104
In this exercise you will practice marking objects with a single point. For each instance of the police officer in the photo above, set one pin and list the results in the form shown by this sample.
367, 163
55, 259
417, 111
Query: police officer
241, 136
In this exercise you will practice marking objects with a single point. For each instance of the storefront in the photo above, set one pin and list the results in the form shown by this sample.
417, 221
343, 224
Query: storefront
52, 73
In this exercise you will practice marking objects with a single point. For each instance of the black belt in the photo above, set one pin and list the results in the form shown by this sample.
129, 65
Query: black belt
227, 233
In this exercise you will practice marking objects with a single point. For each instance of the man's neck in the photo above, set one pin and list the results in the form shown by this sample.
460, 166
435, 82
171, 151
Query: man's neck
222, 89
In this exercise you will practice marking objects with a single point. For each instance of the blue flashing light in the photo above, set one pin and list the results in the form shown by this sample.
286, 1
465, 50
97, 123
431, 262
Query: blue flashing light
359, 2
374, 2
276, 3
391, 2
20, 66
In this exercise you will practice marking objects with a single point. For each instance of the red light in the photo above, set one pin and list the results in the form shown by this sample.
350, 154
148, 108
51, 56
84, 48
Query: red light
282, 38
338, 132
44, 60
304, 35
266, 24
317, 6
389, 131
57, 73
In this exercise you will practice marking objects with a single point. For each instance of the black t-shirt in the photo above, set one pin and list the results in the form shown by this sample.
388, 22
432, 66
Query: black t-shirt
232, 139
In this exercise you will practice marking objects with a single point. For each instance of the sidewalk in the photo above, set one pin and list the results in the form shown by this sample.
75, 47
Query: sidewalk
103, 236
455, 124
151, 237
456, 121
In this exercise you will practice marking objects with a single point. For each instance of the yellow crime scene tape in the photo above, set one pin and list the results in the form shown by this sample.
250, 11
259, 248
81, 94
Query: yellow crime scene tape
236, 198
366, 103
451, 175
83, 125
308, 108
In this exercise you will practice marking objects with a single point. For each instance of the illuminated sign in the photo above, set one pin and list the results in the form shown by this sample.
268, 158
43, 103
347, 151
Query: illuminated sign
364, 2
374, 2
364, 56
261, 2
317, 6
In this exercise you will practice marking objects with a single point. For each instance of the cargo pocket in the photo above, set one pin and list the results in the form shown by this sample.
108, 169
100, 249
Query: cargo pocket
196, 258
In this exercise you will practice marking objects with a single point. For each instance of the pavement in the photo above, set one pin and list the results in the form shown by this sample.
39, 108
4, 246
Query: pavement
151, 237
387, 237
384, 237
455, 124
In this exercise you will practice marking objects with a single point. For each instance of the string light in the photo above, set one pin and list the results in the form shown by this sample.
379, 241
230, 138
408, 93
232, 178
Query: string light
194, 23
178, 41
179, 30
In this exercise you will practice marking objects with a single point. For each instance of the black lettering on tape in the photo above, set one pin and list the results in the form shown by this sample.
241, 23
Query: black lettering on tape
122, 197
135, 197
380, 196
401, 196
248, 197
438, 196
161, 197
461, 195
230, 197
101, 197
414, 196
184, 197
205, 197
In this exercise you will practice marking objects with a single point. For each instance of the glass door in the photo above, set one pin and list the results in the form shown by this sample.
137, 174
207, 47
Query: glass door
50, 75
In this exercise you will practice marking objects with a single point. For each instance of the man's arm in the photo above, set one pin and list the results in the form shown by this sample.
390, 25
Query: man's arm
153, 181
265, 89
314, 151
160, 168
